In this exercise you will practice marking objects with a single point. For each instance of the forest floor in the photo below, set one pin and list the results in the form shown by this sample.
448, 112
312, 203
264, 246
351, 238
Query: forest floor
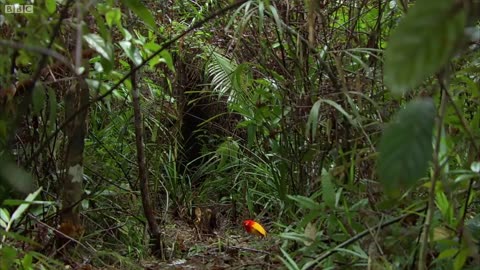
229, 247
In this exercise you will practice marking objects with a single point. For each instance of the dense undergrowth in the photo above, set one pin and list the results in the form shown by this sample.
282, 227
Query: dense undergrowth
349, 129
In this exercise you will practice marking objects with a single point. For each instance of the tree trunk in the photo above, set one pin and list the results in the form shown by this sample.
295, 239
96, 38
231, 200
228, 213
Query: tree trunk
72, 186
72, 182
154, 230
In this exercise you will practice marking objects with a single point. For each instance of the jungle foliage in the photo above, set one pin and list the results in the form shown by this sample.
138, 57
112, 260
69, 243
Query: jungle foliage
349, 129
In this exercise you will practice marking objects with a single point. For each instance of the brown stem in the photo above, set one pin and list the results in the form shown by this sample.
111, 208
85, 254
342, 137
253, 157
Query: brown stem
142, 170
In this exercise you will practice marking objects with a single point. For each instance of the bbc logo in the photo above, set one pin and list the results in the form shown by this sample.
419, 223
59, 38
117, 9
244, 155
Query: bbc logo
16, 8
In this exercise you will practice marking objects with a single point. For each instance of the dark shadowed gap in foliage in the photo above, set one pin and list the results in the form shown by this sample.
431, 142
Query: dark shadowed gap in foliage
188, 85
193, 117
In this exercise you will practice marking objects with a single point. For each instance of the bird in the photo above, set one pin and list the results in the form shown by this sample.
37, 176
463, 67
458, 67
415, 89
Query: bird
254, 227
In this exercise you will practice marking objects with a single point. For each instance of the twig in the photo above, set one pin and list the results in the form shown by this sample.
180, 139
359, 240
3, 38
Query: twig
422, 260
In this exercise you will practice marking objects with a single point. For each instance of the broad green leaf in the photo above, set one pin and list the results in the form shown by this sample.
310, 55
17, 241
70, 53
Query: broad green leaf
4, 218
448, 253
51, 6
163, 57
406, 146
461, 258
422, 43
126, 34
113, 16
107, 65
167, 59
142, 12
131, 51
97, 43
328, 190
152, 46
27, 261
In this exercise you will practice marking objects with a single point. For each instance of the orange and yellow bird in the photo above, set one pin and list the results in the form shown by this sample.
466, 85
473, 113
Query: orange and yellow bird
254, 227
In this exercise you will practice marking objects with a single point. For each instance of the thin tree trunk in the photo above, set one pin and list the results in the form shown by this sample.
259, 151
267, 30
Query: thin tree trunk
72, 186
142, 172
72, 183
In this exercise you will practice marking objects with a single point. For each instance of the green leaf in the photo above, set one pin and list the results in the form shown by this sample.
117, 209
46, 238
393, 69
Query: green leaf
27, 261
142, 12
97, 43
21, 208
294, 236
448, 253
288, 261
107, 65
38, 99
461, 258
4, 218
444, 206
113, 16
312, 122
358, 253
422, 43
131, 51
167, 59
339, 108
163, 57
51, 6
406, 146
328, 190
305, 202
15, 202
8, 255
